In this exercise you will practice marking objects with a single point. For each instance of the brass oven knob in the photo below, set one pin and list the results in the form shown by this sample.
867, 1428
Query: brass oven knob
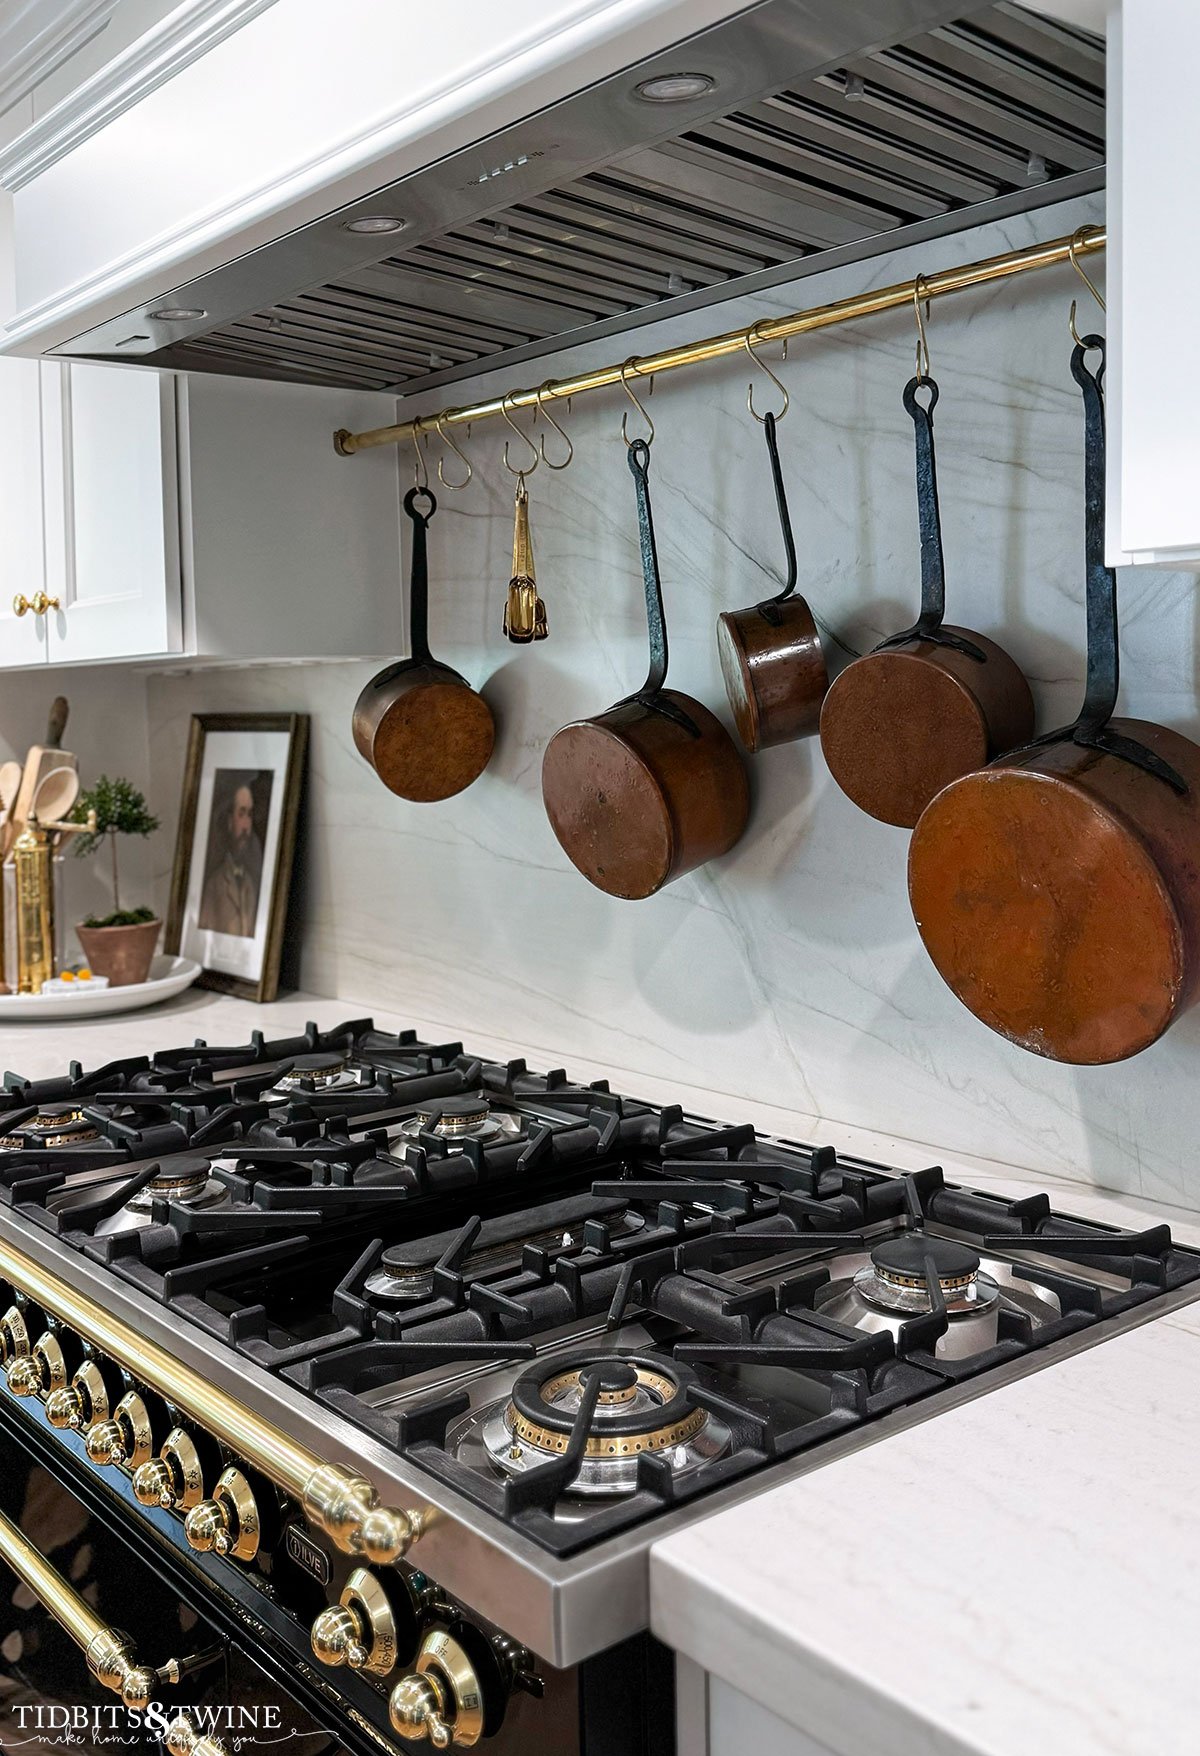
440, 1699
83, 1401
182, 1739
228, 1523
44, 1369
14, 1335
360, 1631
175, 1478
127, 1438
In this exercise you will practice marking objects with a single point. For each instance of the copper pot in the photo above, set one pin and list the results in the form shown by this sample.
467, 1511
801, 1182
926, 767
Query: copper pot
421, 726
653, 787
931, 703
1058, 891
771, 656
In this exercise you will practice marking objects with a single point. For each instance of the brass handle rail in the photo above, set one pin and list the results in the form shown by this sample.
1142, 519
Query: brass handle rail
931, 286
344, 1505
109, 1653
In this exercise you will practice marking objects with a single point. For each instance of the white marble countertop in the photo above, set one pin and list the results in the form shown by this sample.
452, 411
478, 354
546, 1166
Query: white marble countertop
1018, 1575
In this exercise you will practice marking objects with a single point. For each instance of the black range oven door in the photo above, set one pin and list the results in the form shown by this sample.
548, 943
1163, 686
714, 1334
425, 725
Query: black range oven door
72, 1583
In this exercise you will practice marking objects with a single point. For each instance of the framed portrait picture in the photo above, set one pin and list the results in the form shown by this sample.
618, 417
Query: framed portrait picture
236, 846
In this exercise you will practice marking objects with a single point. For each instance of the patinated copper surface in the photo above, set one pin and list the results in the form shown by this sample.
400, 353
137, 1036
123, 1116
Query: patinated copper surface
900, 724
635, 800
425, 731
774, 670
1059, 895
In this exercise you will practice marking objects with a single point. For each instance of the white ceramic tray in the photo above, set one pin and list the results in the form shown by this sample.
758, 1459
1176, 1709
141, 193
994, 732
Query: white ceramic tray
168, 976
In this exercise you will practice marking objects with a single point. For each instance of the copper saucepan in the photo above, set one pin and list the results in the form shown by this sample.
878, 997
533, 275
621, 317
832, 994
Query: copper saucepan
931, 703
1058, 891
421, 726
771, 656
655, 786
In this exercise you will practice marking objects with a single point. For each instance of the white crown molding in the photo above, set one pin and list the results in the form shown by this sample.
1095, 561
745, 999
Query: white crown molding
173, 44
35, 38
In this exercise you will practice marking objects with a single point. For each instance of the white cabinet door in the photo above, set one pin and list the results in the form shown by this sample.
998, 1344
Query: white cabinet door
112, 522
22, 559
1153, 257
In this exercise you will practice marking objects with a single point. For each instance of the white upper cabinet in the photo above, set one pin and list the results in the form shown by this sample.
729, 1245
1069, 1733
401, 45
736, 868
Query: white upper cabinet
1153, 260
111, 512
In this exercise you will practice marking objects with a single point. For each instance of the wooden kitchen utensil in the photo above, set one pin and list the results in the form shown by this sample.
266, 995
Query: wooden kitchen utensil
420, 725
771, 657
1058, 891
655, 786
38, 763
57, 791
929, 704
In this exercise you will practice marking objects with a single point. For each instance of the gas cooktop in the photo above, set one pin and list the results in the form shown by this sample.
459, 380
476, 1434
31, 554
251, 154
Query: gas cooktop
574, 1309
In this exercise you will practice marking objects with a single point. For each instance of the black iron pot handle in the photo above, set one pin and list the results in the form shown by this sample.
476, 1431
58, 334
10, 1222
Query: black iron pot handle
418, 596
769, 608
928, 625
650, 694
1091, 729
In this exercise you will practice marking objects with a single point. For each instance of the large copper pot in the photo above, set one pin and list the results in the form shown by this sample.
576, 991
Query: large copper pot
1058, 891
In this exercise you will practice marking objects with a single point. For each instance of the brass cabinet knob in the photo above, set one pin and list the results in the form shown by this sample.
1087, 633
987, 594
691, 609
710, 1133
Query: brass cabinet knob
441, 1698
181, 1738
39, 603
175, 1478
84, 1401
228, 1524
360, 1631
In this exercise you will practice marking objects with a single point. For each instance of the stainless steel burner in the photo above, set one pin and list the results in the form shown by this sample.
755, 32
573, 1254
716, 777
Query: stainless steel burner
56, 1125
462, 1118
643, 1406
890, 1288
186, 1179
317, 1073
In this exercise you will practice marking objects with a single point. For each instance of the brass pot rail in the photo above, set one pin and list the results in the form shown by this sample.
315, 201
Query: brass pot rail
108, 1653
1085, 242
337, 1501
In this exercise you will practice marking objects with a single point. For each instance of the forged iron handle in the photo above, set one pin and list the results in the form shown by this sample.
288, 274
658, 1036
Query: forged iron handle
656, 627
418, 590
1103, 650
767, 609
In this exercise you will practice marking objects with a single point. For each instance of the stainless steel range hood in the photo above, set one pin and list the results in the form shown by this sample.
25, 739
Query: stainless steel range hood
811, 134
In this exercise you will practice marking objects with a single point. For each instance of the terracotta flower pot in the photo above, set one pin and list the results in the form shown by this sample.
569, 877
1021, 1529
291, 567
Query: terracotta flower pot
123, 954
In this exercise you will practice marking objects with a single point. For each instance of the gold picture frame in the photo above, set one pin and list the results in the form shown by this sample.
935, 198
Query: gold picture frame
235, 848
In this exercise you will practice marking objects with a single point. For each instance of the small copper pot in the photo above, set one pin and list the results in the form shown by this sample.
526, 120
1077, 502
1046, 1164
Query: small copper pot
771, 656
421, 726
932, 703
653, 787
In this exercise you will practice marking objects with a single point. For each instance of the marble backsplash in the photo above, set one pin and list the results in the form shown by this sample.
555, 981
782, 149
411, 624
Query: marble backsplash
790, 970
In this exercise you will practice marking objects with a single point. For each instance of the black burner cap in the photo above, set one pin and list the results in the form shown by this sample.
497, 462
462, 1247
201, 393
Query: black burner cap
907, 1253
184, 1167
613, 1374
453, 1108
309, 1064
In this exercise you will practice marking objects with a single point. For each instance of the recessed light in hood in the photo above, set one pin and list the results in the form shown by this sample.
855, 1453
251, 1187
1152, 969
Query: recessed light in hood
177, 313
374, 222
674, 88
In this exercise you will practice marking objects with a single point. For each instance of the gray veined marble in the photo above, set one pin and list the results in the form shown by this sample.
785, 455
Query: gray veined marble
789, 970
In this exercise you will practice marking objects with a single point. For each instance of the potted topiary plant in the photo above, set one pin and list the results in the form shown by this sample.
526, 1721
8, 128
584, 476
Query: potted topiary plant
121, 944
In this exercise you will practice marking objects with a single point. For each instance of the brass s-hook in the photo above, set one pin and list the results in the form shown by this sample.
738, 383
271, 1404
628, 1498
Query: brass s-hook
527, 469
420, 467
1076, 239
439, 423
921, 297
748, 341
632, 361
546, 415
